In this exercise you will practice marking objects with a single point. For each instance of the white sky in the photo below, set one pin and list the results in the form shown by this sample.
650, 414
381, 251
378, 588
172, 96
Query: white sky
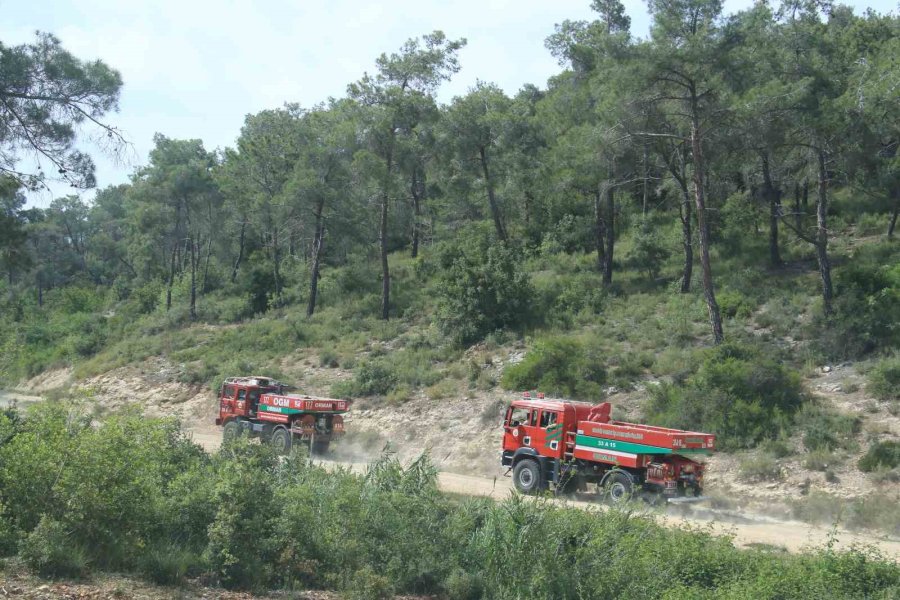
195, 68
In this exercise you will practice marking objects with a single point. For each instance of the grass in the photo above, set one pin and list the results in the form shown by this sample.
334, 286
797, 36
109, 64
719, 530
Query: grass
243, 519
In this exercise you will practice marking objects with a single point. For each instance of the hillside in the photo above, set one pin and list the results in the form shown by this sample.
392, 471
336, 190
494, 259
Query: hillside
697, 225
419, 390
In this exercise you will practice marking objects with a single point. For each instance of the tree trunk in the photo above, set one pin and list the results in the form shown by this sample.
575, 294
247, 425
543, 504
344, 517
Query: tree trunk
645, 193
240, 256
599, 226
276, 266
685, 214
798, 215
195, 259
772, 196
203, 288
318, 241
383, 238
822, 235
492, 200
417, 189
175, 248
893, 224
610, 223
715, 317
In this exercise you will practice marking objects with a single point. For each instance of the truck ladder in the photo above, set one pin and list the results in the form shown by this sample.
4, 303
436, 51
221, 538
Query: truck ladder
569, 452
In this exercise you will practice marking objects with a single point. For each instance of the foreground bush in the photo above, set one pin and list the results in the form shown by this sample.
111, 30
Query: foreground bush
249, 520
738, 392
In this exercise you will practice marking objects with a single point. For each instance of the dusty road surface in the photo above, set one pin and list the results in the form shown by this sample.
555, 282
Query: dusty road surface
747, 529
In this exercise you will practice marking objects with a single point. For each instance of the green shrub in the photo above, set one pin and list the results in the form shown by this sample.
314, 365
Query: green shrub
734, 304
462, 585
884, 379
329, 358
760, 468
371, 378
167, 563
482, 288
369, 585
9, 535
742, 394
557, 366
824, 429
820, 460
866, 306
777, 448
50, 551
237, 549
880, 455
649, 251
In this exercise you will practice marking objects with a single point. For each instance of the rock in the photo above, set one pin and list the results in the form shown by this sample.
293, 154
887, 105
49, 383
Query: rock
826, 369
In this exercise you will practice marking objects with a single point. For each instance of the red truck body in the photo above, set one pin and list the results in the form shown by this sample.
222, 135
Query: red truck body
262, 407
570, 445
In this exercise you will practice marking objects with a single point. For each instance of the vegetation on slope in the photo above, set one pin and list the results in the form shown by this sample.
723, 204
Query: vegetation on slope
134, 495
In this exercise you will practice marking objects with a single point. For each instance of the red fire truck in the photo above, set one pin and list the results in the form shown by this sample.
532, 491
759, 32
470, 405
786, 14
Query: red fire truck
569, 446
264, 408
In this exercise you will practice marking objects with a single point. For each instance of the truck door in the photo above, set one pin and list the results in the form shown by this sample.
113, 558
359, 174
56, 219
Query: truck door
226, 402
548, 438
517, 419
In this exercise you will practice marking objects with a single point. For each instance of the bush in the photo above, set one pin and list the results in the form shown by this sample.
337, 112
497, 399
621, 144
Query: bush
760, 468
884, 379
742, 394
371, 378
9, 535
167, 563
50, 551
881, 455
482, 288
461, 585
649, 251
866, 306
558, 366
825, 429
369, 585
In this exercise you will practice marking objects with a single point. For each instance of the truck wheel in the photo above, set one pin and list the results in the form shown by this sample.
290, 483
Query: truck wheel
281, 440
619, 488
230, 431
527, 477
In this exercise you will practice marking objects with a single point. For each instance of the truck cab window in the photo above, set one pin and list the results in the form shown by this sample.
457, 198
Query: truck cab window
518, 416
548, 419
242, 394
534, 418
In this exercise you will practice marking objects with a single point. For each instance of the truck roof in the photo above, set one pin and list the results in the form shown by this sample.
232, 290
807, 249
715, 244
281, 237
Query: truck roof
549, 404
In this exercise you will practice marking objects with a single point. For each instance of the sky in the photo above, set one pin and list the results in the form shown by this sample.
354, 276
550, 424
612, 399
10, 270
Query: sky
196, 68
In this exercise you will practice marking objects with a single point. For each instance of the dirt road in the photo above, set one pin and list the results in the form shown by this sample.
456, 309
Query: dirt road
747, 529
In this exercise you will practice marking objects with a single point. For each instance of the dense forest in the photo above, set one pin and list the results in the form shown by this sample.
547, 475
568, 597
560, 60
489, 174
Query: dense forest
756, 147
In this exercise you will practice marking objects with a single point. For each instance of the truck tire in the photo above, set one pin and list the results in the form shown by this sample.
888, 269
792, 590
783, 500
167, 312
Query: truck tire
527, 477
281, 440
230, 431
619, 488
